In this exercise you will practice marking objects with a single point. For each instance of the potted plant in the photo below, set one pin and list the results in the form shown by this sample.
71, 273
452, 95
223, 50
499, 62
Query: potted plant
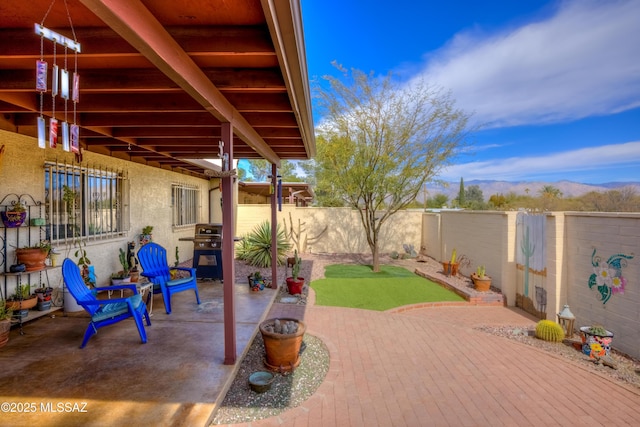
481, 281
43, 294
174, 272
123, 275
5, 322
15, 216
146, 236
84, 262
295, 283
282, 341
34, 257
256, 281
134, 273
596, 341
23, 300
450, 268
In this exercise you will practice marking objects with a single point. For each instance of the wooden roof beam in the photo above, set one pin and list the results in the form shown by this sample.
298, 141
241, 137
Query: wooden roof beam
135, 23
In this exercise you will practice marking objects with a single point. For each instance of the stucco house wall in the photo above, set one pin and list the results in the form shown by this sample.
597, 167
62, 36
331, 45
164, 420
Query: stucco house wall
21, 172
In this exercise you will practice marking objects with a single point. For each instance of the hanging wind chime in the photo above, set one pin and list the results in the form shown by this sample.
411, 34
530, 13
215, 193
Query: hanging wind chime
61, 87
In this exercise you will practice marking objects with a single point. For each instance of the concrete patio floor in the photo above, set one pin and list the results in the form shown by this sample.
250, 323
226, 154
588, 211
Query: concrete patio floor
173, 379
415, 366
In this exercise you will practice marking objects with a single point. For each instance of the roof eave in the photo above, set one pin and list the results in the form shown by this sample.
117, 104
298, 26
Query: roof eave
284, 19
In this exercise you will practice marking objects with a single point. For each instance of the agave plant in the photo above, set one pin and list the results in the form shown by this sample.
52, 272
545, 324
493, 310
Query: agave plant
242, 248
256, 246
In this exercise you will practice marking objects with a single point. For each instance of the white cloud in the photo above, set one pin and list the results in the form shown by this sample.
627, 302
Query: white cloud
582, 61
592, 159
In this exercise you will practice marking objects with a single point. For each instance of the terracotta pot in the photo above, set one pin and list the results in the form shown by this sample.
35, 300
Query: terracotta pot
295, 286
450, 269
33, 258
481, 285
5, 328
283, 350
22, 305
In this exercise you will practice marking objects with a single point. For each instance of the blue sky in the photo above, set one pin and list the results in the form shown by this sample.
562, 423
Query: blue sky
556, 84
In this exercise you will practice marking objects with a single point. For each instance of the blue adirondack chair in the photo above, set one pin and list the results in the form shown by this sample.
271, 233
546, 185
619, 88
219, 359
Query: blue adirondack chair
104, 312
153, 260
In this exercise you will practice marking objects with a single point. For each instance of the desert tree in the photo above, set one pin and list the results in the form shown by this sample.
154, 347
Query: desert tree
380, 140
461, 194
260, 170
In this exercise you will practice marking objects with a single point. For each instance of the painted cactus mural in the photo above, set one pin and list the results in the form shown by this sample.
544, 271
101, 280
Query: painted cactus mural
607, 277
528, 250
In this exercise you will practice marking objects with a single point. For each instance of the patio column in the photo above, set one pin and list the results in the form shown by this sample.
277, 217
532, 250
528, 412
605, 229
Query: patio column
274, 226
228, 235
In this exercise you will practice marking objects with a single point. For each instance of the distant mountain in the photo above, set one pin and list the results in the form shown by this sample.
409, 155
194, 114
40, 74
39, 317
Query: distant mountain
532, 188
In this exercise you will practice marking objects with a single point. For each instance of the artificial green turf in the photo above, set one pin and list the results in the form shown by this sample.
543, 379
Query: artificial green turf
357, 286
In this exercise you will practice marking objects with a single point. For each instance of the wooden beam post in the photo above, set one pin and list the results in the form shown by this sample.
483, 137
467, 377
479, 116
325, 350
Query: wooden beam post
228, 234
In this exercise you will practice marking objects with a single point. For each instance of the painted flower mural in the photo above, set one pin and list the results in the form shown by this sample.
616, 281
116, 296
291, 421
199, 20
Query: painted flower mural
607, 276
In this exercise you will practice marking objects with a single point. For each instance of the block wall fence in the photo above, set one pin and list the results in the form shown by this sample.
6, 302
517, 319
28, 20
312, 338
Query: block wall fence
490, 239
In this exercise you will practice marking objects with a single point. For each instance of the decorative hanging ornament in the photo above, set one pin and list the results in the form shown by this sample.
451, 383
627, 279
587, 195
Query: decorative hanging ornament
60, 85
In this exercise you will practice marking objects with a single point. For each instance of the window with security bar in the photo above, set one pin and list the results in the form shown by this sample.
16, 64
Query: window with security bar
86, 203
184, 200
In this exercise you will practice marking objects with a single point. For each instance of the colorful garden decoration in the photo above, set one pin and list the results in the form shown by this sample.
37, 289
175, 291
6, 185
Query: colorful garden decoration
607, 276
596, 341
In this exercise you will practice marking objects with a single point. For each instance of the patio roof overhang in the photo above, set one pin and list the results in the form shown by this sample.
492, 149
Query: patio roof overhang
158, 78
163, 82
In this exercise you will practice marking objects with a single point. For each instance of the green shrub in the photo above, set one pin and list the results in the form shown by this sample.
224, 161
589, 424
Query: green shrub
549, 330
255, 248
242, 248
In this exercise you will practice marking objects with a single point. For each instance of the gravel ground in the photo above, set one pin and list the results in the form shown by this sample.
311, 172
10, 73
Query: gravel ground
241, 404
627, 369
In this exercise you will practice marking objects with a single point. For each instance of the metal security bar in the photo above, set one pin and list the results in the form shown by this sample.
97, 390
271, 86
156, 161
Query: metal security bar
184, 200
91, 203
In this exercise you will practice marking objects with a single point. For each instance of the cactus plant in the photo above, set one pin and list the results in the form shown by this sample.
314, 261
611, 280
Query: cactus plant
548, 330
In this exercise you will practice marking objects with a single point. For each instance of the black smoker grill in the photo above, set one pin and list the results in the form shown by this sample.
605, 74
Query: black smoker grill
207, 251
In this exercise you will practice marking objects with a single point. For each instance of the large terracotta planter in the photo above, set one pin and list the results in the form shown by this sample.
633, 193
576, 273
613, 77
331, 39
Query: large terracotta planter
283, 350
294, 286
481, 284
33, 259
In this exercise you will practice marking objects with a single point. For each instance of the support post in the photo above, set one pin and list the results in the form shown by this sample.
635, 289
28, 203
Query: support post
274, 228
228, 269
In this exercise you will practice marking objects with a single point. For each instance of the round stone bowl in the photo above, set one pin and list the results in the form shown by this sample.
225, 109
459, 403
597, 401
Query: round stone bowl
260, 381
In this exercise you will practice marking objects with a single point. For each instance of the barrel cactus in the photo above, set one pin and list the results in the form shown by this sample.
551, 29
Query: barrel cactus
549, 330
